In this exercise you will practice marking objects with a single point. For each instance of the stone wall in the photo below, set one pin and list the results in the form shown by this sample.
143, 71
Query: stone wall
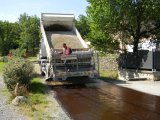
108, 62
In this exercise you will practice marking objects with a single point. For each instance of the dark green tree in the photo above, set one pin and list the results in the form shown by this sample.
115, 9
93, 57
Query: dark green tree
24, 34
30, 33
9, 36
82, 26
134, 19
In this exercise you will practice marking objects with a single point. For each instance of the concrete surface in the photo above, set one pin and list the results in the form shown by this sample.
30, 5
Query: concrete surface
146, 86
149, 87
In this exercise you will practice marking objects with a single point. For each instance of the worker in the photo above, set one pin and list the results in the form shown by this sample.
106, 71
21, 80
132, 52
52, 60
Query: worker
66, 51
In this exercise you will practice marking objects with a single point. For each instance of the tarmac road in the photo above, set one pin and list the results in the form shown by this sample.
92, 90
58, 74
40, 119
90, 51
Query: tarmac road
105, 101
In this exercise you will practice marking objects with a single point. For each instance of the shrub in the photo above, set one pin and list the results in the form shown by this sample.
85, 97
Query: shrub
18, 52
4, 59
17, 72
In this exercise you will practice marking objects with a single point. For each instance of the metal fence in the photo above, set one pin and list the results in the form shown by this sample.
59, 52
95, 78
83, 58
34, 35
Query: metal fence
143, 59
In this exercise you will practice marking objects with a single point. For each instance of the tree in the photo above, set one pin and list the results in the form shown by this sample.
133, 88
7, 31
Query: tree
24, 34
99, 35
9, 36
134, 18
83, 26
30, 33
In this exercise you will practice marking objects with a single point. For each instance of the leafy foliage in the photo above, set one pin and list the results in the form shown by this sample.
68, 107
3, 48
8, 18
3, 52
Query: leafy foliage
133, 19
83, 26
101, 41
9, 36
1, 66
19, 52
101, 38
90, 31
30, 33
17, 71
24, 34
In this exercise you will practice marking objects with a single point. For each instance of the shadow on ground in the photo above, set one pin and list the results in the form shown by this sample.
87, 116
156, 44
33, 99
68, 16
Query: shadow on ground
111, 80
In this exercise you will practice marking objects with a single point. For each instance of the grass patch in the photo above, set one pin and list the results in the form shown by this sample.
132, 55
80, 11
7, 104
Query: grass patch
108, 75
2, 64
37, 100
109, 55
5, 91
32, 59
35, 107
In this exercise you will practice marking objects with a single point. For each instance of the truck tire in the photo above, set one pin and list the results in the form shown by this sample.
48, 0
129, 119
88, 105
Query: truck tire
42, 73
46, 76
54, 77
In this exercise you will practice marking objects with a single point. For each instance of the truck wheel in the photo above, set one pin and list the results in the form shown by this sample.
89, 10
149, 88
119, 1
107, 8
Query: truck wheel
54, 77
42, 73
46, 75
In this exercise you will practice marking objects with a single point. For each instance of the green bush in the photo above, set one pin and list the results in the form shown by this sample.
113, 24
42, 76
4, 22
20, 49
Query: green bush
4, 59
17, 71
18, 52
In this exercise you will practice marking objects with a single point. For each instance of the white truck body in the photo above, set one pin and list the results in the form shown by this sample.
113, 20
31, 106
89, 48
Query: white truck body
57, 29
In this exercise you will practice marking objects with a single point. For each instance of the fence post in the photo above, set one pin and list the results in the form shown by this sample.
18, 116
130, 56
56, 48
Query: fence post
137, 60
125, 60
153, 60
98, 63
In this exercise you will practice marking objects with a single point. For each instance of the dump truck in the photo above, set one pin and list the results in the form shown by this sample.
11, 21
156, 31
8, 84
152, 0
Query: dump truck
57, 29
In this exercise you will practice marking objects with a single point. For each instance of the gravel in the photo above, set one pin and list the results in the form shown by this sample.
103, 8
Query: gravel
56, 110
7, 111
60, 37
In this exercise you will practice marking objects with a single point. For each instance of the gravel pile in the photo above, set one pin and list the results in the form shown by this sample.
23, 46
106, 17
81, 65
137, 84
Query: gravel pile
60, 37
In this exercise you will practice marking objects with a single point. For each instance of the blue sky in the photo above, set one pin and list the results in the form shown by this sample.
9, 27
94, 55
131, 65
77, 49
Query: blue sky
11, 9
